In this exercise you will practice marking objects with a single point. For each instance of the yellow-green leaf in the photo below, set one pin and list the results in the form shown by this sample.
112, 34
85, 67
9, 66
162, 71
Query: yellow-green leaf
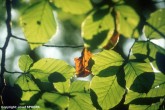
97, 28
74, 6
155, 27
27, 86
128, 20
133, 70
38, 23
80, 98
52, 70
109, 92
106, 62
58, 99
25, 62
157, 89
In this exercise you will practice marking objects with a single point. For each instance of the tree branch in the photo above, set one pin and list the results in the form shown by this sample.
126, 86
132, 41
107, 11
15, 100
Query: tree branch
8, 22
46, 45
13, 72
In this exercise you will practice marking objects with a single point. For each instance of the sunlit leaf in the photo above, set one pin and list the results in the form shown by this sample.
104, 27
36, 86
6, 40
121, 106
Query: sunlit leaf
80, 101
38, 23
79, 86
154, 106
62, 87
133, 70
157, 90
128, 21
155, 27
80, 98
74, 6
98, 28
57, 99
25, 62
109, 92
28, 87
105, 62
52, 70
148, 49
26, 83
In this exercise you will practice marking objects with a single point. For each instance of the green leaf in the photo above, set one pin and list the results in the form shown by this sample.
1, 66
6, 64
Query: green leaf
147, 48
38, 23
25, 62
109, 92
79, 86
155, 27
57, 99
133, 70
74, 6
42, 104
128, 20
106, 62
80, 101
154, 106
97, 28
52, 70
62, 87
79, 96
27, 86
26, 83
157, 90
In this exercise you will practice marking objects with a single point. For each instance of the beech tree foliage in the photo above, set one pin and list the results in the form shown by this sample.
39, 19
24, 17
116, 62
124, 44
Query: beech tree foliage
129, 82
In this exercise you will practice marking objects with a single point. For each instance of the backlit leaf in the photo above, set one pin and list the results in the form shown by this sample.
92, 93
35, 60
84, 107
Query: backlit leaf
98, 28
154, 106
155, 27
38, 23
57, 99
133, 70
80, 98
109, 92
105, 62
80, 101
52, 70
28, 87
148, 49
62, 87
25, 62
74, 6
157, 90
128, 21
79, 86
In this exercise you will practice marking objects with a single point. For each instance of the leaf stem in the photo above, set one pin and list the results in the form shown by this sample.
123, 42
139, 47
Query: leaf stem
48, 45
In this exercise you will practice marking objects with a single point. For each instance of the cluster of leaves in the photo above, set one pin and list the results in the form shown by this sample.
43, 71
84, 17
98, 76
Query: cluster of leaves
116, 82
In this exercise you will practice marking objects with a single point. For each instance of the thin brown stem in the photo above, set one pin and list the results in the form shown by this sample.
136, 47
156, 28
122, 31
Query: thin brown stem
48, 45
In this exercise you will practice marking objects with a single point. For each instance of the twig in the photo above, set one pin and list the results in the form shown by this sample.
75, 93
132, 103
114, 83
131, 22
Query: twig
48, 45
13, 72
8, 22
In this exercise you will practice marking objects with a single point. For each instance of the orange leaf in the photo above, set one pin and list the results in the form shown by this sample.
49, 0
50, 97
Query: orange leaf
113, 41
82, 63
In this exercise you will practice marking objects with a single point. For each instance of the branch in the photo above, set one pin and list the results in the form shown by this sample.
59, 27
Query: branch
46, 45
13, 72
8, 22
